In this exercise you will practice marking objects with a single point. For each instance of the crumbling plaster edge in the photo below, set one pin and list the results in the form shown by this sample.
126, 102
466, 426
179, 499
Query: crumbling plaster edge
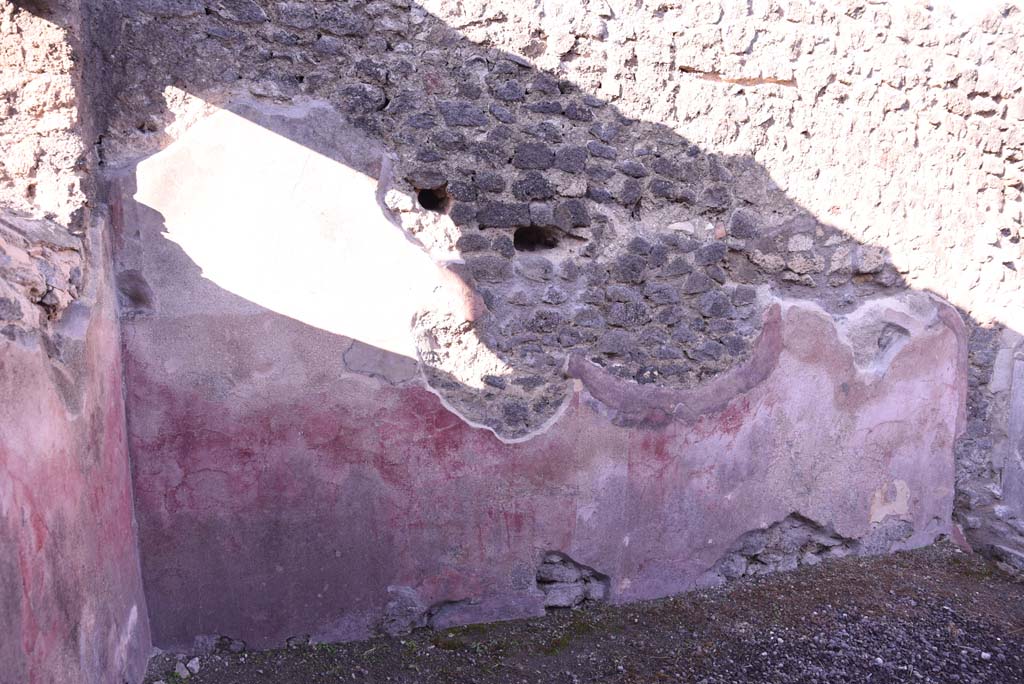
687, 405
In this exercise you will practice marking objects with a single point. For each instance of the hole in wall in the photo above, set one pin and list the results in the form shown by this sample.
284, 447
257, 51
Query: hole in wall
535, 238
568, 584
891, 334
134, 293
434, 199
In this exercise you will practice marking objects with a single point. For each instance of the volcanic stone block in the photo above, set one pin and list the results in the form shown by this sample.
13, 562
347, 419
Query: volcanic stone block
242, 11
605, 131
632, 168
533, 156
696, 283
461, 113
601, 150
545, 107
570, 214
629, 268
742, 224
341, 20
571, 159
577, 111
490, 269
509, 91
502, 113
629, 192
503, 214
488, 181
628, 314
532, 185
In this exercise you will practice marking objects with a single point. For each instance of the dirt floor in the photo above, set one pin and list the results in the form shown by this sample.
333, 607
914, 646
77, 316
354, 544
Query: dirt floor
932, 615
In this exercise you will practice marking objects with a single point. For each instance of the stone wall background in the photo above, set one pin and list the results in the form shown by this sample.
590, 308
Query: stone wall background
888, 135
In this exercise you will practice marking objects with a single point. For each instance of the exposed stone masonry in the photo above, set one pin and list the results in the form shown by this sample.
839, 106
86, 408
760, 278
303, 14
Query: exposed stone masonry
990, 466
42, 161
40, 273
567, 584
582, 230
795, 541
563, 582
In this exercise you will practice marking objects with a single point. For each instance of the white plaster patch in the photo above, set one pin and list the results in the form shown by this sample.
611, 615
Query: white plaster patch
891, 499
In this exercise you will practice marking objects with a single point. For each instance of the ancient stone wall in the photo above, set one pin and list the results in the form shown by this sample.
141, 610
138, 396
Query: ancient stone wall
585, 231
626, 183
444, 312
71, 603
410, 308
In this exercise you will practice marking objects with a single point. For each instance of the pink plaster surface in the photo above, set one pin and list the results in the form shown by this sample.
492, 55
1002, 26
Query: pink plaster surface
286, 476
279, 494
71, 601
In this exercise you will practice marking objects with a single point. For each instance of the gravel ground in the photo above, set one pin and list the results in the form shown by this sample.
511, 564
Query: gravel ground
932, 615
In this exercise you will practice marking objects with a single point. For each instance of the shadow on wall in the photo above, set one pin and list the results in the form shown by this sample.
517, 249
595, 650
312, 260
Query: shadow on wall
532, 192
359, 192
